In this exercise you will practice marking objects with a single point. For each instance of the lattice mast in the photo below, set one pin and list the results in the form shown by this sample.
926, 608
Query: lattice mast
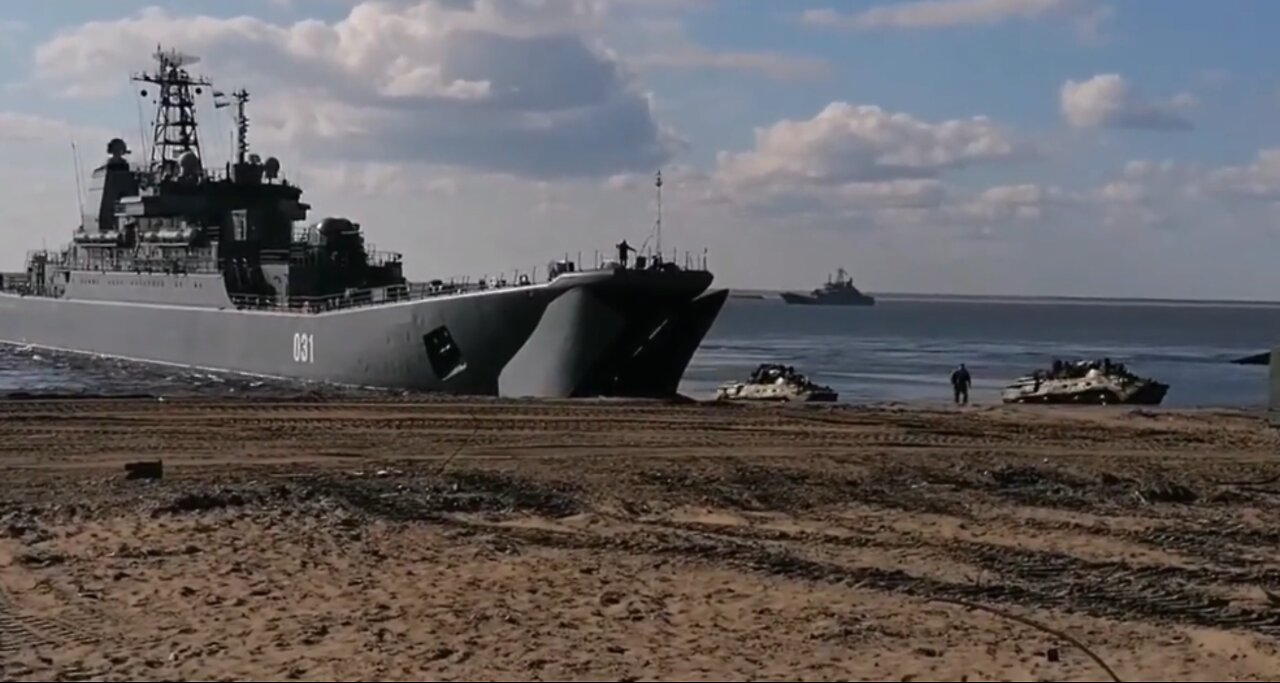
657, 184
175, 131
241, 97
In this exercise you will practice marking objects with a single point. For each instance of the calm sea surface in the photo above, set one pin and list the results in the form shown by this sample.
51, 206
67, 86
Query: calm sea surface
898, 350
904, 350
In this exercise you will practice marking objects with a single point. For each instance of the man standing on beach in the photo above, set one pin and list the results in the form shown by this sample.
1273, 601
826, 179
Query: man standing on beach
960, 381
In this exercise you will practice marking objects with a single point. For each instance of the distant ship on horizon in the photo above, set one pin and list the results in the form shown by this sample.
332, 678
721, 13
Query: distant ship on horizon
837, 292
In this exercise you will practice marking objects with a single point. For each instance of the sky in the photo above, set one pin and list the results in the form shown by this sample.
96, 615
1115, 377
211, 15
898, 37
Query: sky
1004, 147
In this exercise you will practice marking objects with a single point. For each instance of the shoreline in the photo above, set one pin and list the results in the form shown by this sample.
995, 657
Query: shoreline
926, 297
337, 398
375, 537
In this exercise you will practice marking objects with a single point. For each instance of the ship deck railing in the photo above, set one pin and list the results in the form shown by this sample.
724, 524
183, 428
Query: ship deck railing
23, 283
434, 288
371, 296
15, 283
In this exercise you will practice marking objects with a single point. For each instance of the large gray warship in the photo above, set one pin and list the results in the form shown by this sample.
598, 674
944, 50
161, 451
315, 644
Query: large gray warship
839, 292
174, 263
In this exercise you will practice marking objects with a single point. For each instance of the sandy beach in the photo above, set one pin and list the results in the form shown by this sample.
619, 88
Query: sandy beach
506, 540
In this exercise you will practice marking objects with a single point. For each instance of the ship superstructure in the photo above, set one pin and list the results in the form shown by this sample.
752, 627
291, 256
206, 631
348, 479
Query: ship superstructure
176, 263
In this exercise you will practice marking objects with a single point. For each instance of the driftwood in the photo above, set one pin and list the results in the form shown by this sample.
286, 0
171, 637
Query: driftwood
457, 451
1249, 482
1028, 622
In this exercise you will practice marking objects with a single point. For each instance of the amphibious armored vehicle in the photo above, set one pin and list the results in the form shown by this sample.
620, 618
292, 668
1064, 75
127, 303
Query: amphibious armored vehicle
1085, 382
774, 382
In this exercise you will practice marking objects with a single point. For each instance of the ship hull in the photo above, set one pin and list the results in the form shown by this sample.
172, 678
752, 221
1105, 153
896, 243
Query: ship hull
568, 338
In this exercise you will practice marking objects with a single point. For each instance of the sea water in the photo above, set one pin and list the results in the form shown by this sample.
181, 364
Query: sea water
901, 349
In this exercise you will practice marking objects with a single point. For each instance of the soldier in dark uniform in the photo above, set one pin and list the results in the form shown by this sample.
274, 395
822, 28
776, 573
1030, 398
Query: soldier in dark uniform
623, 250
960, 382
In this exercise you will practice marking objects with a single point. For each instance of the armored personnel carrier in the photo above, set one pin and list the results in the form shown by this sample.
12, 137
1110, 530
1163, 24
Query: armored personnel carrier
1086, 382
179, 263
773, 382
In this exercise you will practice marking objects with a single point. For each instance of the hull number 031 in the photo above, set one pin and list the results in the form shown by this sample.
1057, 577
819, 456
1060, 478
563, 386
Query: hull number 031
304, 347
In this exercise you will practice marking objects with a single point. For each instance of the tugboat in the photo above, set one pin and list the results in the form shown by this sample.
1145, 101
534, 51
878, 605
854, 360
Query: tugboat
1088, 383
775, 382
838, 292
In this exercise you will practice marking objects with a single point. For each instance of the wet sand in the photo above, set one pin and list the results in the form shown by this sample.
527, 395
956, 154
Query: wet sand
469, 540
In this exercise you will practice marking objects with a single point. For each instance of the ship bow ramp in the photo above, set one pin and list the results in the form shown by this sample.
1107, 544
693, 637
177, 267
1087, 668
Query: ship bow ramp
625, 333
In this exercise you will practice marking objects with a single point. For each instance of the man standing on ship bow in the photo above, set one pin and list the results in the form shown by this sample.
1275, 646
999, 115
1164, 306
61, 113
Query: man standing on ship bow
960, 382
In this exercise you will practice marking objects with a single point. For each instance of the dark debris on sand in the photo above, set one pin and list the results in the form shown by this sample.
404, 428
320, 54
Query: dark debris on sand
401, 497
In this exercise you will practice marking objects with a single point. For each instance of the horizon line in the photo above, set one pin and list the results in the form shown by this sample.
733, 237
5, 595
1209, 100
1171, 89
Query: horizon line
1030, 298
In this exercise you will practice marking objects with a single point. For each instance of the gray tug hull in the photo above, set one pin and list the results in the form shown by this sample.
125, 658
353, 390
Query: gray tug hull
584, 334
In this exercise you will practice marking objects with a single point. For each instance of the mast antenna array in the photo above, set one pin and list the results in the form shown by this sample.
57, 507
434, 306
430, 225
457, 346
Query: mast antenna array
657, 183
242, 121
75, 160
175, 131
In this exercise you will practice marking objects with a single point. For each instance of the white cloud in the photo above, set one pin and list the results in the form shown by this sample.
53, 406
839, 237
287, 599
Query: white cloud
1194, 202
1088, 15
504, 86
774, 65
903, 193
377, 180
16, 127
682, 185
660, 40
848, 143
1259, 180
1129, 202
1021, 202
1139, 169
1122, 192
27, 128
854, 165
1148, 194
1108, 100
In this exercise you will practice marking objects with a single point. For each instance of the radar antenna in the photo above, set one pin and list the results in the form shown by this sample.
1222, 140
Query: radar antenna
175, 131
